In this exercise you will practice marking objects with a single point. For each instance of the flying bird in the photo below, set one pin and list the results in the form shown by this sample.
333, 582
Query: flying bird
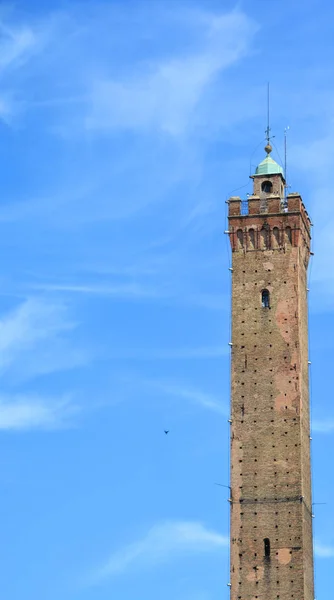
166, 431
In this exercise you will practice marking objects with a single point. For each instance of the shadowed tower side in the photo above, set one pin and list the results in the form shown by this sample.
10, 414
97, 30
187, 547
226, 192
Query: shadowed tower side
271, 507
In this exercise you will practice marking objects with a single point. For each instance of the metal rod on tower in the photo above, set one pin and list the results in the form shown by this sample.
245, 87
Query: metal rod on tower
285, 162
268, 113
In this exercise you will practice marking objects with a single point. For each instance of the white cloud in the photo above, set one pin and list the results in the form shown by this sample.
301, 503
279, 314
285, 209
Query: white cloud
323, 426
314, 159
193, 395
154, 289
157, 90
29, 413
323, 551
119, 290
172, 353
31, 322
164, 97
21, 43
316, 156
33, 339
16, 45
163, 542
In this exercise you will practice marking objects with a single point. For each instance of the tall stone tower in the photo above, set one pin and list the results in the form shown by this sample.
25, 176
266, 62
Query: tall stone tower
271, 505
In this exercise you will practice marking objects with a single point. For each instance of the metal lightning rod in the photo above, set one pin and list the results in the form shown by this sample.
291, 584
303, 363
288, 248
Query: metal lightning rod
268, 114
268, 130
285, 162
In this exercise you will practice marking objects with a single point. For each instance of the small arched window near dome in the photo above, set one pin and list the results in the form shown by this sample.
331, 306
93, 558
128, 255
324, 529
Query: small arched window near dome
265, 299
251, 237
266, 542
275, 237
240, 238
288, 235
267, 187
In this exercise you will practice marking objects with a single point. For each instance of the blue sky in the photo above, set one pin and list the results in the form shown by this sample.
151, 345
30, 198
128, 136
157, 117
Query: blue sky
124, 128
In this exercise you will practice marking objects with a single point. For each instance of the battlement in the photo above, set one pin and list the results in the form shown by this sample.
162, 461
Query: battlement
268, 222
267, 204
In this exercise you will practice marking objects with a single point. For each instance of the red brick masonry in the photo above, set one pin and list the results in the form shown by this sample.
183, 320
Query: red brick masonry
271, 505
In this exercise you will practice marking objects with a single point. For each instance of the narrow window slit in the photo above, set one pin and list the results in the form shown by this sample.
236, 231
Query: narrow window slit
266, 547
265, 299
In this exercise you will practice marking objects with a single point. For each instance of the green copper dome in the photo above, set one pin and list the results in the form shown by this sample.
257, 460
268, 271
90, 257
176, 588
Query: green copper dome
268, 166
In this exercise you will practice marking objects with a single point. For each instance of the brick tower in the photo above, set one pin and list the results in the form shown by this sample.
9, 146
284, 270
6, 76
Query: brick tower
271, 505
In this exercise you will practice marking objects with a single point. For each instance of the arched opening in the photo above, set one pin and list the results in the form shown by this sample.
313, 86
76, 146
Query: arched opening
266, 542
267, 187
264, 238
265, 299
251, 237
275, 237
240, 237
288, 235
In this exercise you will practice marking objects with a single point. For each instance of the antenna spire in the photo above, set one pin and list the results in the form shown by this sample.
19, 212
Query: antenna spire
268, 147
285, 159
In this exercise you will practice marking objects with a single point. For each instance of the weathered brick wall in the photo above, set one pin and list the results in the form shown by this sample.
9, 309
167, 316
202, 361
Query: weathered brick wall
270, 446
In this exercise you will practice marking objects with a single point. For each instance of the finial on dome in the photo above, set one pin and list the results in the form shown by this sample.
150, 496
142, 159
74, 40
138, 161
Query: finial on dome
268, 148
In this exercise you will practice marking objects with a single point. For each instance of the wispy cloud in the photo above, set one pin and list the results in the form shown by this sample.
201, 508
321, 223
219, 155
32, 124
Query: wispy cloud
119, 290
163, 92
158, 92
323, 426
315, 157
26, 412
201, 352
313, 160
33, 339
19, 43
163, 96
153, 289
163, 542
323, 551
189, 393
16, 45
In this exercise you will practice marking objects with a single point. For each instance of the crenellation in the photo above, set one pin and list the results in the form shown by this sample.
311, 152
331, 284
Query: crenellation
254, 205
234, 205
